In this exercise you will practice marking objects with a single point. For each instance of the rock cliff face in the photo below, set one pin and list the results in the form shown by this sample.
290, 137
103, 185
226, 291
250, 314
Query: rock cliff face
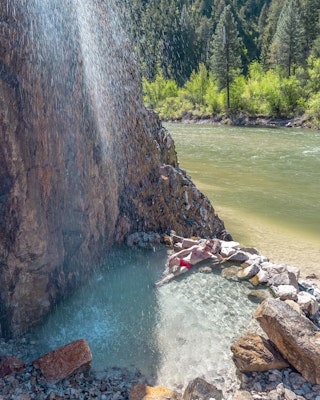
82, 163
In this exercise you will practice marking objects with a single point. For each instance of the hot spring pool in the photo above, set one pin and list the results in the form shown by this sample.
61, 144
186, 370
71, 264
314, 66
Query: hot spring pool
172, 334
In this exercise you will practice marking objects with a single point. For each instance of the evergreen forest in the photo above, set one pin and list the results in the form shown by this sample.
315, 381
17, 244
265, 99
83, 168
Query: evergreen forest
225, 57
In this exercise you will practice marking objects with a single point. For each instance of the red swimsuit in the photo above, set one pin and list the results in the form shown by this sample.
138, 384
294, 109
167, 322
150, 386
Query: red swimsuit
184, 264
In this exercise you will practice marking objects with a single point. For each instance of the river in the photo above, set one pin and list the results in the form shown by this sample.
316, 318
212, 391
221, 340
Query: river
264, 184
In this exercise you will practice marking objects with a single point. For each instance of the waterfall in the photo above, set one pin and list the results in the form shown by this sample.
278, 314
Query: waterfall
81, 159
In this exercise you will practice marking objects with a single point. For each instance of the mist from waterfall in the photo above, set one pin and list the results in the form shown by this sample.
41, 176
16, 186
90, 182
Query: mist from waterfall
74, 31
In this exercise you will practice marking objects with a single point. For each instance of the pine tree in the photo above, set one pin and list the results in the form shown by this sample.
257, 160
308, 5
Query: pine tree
287, 46
226, 51
310, 19
269, 31
188, 46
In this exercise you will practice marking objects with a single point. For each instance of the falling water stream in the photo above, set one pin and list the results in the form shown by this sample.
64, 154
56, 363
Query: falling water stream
172, 334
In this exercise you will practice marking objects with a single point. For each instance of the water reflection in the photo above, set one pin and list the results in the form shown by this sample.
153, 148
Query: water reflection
172, 334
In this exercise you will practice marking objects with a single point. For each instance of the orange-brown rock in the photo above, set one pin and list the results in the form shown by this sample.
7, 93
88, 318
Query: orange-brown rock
82, 162
252, 352
143, 392
294, 335
10, 365
64, 361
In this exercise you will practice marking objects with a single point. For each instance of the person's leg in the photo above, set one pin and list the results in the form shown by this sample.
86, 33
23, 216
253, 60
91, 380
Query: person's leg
168, 278
164, 280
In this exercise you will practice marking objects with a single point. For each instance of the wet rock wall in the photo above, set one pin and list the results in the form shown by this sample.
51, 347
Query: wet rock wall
82, 163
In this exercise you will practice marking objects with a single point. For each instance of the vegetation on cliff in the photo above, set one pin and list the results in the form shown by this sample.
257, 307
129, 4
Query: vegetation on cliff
219, 57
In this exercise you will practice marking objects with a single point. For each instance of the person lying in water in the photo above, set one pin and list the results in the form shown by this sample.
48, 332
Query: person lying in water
187, 258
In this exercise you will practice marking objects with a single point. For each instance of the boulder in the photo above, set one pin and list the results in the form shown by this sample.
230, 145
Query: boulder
294, 270
199, 389
239, 256
272, 268
143, 392
284, 278
252, 352
227, 251
64, 361
285, 292
308, 303
10, 365
295, 336
248, 272
263, 276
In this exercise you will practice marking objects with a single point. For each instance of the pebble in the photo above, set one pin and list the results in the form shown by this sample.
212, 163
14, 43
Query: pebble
115, 383
292, 385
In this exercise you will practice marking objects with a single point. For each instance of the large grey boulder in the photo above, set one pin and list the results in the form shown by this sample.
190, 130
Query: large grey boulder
295, 336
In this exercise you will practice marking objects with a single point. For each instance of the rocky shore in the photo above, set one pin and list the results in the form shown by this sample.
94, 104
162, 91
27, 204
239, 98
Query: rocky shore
242, 119
116, 383
260, 375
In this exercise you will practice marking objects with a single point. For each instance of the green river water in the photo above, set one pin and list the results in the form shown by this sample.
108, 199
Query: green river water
262, 182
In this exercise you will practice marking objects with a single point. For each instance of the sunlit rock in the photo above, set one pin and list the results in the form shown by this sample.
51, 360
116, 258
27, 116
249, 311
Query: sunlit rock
64, 361
284, 278
262, 276
285, 292
252, 352
248, 272
239, 256
227, 251
294, 335
294, 305
308, 303
143, 392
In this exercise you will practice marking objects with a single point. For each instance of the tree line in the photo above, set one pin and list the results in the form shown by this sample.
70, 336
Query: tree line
214, 56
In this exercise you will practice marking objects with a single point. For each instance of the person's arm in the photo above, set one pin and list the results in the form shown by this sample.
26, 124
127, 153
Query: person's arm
182, 253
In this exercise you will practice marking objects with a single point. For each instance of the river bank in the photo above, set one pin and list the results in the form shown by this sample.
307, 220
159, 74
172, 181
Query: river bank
243, 119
